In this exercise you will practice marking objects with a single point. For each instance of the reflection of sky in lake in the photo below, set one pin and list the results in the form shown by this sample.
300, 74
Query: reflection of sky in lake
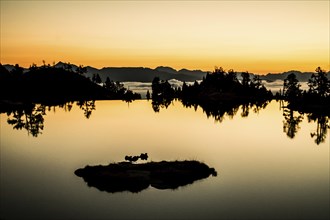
142, 87
262, 173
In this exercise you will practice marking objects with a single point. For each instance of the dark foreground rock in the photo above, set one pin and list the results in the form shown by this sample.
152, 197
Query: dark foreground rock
125, 176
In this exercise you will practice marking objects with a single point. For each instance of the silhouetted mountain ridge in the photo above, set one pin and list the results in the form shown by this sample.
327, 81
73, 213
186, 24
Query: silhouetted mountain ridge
301, 76
166, 69
144, 74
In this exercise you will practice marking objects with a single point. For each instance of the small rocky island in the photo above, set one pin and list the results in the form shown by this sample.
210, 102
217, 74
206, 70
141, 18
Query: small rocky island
128, 176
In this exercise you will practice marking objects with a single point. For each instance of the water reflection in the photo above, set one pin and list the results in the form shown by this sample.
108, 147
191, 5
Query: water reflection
292, 119
322, 126
87, 106
220, 110
245, 110
216, 110
31, 116
158, 103
291, 122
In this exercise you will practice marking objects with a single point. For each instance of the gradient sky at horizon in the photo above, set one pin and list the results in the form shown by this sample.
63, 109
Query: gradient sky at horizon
254, 36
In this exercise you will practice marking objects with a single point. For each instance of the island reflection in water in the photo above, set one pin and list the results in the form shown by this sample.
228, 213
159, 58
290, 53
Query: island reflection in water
263, 173
31, 116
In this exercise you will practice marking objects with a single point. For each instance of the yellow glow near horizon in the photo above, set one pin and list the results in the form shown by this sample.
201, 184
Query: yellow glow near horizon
260, 37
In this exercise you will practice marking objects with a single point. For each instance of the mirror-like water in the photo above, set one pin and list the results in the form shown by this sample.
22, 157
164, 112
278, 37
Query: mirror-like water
271, 164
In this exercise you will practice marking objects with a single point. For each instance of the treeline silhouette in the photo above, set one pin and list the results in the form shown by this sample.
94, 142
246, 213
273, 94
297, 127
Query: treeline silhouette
49, 83
222, 86
314, 100
31, 116
219, 93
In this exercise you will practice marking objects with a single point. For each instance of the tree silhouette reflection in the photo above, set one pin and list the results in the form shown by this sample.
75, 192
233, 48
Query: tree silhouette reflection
16, 120
158, 103
322, 126
66, 106
259, 105
291, 122
292, 119
31, 116
87, 106
220, 110
245, 110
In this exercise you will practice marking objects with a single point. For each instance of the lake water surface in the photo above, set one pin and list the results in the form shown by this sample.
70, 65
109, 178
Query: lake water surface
265, 170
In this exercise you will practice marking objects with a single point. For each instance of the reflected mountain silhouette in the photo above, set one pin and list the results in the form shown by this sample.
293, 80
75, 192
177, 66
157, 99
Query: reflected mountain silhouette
31, 116
126, 176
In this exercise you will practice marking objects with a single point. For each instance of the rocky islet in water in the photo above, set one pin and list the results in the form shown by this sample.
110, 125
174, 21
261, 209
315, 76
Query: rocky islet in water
127, 176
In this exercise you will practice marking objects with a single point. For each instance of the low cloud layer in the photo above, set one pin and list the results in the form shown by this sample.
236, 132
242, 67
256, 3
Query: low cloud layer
143, 87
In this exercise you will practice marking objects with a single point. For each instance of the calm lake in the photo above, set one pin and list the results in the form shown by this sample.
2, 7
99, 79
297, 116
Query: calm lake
269, 166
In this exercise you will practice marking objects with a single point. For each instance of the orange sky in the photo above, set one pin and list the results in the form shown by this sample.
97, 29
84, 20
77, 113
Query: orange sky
260, 37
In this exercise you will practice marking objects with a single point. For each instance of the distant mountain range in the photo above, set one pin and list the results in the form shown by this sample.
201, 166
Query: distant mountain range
301, 76
142, 74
